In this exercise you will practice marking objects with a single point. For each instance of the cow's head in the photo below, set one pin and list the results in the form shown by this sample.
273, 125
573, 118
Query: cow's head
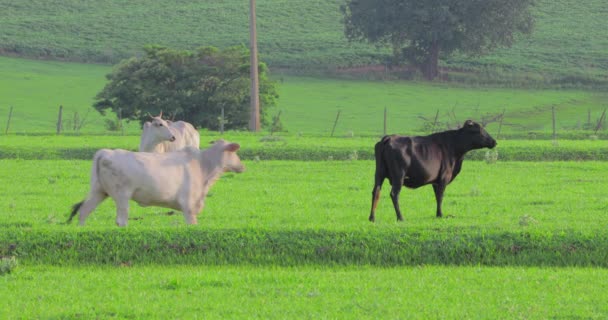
230, 160
159, 129
477, 135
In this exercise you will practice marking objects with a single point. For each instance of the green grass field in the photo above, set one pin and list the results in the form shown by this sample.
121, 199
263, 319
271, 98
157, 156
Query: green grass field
192, 292
286, 195
524, 237
291, 238
308, 106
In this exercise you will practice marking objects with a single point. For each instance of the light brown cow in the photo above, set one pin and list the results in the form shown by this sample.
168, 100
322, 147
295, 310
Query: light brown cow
178, 180
160, 135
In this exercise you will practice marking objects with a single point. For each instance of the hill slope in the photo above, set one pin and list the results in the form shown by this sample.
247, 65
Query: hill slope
568, 42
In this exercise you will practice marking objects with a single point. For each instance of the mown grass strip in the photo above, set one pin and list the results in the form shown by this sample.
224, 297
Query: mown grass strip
385, 248
246, 292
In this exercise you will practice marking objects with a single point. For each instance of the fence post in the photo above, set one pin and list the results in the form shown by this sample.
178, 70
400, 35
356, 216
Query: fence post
553, 114
8, 122
59, 122
599, 123
275, 122
222, 122
502, 116
385, 111
335, 122
435, 121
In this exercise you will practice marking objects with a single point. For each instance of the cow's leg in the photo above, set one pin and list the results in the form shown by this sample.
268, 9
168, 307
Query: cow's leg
122, 210
397, 183
92, 201
439, 189
376, 193
192, 211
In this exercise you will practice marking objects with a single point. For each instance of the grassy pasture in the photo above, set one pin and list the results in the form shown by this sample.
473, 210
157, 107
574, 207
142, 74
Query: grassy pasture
36, 89
330, 195
425, 292
292, 213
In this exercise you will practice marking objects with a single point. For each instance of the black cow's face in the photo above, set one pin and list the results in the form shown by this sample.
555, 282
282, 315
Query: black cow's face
478, 136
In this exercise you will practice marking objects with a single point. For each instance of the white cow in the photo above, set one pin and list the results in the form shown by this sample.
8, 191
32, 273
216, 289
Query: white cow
164, 136
178, 180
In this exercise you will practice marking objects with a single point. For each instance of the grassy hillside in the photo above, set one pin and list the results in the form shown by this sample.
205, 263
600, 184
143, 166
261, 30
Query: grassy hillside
291, 33
308, 106
568, 45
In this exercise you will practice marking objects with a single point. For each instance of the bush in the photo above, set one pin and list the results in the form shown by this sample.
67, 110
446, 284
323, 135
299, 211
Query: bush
7, 265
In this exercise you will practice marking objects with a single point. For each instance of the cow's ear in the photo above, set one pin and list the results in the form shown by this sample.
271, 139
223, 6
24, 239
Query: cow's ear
469, 123
233, 147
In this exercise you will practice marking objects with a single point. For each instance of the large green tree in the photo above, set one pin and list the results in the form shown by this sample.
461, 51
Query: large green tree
187, 85
419, 31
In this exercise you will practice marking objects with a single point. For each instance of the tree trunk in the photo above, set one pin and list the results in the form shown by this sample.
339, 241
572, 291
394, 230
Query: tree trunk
430, 68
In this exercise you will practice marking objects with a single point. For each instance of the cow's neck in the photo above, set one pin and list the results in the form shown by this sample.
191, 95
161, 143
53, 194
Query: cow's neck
148, 146
452, 140
212, 168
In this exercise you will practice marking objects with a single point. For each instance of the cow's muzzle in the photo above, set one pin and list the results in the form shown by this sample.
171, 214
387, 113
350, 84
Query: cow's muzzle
492, 144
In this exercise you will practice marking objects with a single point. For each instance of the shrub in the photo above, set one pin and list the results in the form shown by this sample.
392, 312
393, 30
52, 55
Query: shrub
7, 265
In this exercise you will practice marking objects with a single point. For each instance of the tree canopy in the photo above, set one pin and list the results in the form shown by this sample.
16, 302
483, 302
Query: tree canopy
419, 31
187, 85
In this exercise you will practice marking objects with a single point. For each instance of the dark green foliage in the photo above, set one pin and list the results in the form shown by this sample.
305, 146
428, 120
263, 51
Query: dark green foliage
187, 85
306, 247
419, 31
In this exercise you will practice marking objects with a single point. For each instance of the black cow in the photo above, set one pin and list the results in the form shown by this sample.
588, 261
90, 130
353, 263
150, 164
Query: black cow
416, 161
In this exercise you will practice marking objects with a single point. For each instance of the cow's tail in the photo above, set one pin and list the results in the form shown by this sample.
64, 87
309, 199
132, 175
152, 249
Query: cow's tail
94, 183
75, 209
380, 145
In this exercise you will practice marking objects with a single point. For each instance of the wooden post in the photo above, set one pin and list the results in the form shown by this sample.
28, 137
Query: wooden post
385, 111
222, 122
599, 123
59, 121
275, 122
254, 122
8, 122
335, 122
502, 116
435, 121
122, 130
588, 118
553, 114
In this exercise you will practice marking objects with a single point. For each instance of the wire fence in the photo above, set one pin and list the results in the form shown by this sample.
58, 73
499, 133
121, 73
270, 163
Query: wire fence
550, 123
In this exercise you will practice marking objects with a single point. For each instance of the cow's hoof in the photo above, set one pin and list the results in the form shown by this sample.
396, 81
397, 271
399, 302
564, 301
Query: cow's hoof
372, 219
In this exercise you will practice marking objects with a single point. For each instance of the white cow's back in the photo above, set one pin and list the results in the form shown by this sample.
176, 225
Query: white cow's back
185, 136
